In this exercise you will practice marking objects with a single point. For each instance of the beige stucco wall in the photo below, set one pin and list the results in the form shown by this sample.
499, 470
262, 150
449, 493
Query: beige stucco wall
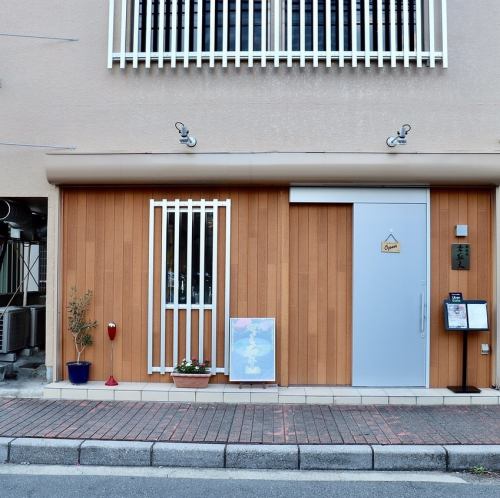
55, 92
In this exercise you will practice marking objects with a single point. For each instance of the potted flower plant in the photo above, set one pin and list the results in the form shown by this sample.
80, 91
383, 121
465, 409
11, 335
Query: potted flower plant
79, 327
191, 374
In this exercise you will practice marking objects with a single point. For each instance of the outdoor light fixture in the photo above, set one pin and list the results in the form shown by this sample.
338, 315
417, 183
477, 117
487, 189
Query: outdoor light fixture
400, 139
185, 138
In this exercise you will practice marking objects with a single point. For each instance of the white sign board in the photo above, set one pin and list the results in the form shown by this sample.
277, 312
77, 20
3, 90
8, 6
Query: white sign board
478, 316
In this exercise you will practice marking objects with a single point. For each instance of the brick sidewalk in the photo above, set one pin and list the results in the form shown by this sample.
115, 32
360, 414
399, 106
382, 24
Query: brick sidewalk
269, 424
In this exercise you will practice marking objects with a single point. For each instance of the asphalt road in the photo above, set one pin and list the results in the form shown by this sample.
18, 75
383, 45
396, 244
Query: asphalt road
55, 482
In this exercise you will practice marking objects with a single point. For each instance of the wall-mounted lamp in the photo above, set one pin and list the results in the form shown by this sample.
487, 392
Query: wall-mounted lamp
185, 139
400, 139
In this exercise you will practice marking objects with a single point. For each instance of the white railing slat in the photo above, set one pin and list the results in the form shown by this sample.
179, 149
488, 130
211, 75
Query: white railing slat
418, 28
189, 276
263, 34
111, 33
366, 22
250, 33
199, 33
406, 35
289, 33
380, 34
161, 33
187, 31
173, 35
302, 33
444, 31
237, 34
277, 32
393, 32
328, 34
315, 32
340, 22
163, 284
225, 10
123, 33
354, 33
432, 43
175, 349
135, 60
149, 16
214, 285
201, 299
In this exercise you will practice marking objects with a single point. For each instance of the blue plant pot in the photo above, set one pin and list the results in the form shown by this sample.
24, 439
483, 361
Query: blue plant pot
78, 373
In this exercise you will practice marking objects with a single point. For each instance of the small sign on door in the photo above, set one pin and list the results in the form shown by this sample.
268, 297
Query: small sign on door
391, 246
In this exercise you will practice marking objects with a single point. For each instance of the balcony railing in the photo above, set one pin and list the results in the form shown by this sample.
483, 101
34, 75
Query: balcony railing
277, 32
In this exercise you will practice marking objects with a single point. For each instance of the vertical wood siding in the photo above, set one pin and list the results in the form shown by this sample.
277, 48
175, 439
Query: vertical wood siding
320, 339
105, 248
450, 207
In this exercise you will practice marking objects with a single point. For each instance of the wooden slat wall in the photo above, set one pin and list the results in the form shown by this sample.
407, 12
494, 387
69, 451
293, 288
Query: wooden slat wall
450, 207
320, 340
105, 248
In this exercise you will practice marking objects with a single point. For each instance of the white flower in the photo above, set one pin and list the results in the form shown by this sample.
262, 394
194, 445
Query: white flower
196, 368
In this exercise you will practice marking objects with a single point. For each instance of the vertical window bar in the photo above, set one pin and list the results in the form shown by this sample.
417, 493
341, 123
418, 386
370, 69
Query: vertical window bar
225, 14
173, 35
123, 34
340, 22
149, 15
250, 33
175, 352
302, 33
289, 32
444, 31
393, 32
315, 32
199, 32
189, 289
214, 287
227, 286
111, 27
406, 34
380, 32
419, 33
328, 33
277, 32
201, 300
187, 32
366, 22
161, 33
151, 283
263, 34
212, 32
354, 33
237, 35
164, 217
432, 43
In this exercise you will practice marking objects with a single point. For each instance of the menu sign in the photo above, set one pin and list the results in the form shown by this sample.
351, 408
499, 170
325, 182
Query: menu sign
457, 316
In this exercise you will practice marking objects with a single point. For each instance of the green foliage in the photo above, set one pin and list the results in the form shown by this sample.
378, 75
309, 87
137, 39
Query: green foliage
78, 325
479, 470
193, 367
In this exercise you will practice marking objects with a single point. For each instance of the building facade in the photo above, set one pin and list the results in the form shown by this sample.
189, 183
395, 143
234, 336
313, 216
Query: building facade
287, 203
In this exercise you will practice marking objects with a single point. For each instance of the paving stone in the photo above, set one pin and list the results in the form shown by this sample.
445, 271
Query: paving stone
262, 456
4, 449
125, 453
44, 451
465, 457
409, 457
335, 457
188, 455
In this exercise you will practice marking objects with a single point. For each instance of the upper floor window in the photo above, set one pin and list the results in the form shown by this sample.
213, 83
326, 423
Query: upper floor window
279, 31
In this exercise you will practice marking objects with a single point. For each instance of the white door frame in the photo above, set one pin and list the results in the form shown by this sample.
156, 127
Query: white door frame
381, 195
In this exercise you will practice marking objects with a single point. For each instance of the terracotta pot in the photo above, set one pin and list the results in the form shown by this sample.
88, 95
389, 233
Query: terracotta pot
198, 381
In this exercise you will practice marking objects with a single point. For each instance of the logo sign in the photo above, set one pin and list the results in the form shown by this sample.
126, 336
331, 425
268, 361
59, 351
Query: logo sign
390, 246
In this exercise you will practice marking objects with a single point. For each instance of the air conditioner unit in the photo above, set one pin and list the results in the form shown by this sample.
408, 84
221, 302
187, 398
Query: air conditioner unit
37, 325
14, 329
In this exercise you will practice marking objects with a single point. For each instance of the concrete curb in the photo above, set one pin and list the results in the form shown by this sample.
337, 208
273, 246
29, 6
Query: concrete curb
248, 456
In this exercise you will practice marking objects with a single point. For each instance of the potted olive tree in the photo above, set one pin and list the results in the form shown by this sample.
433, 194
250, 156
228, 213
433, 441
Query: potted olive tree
80, 328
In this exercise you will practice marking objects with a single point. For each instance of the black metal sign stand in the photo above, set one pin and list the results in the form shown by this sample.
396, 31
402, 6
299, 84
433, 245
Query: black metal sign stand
456, 298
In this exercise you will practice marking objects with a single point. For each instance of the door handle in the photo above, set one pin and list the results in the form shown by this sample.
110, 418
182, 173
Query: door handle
422, 314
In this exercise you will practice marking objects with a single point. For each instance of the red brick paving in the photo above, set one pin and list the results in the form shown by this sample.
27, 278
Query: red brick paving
268, 424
